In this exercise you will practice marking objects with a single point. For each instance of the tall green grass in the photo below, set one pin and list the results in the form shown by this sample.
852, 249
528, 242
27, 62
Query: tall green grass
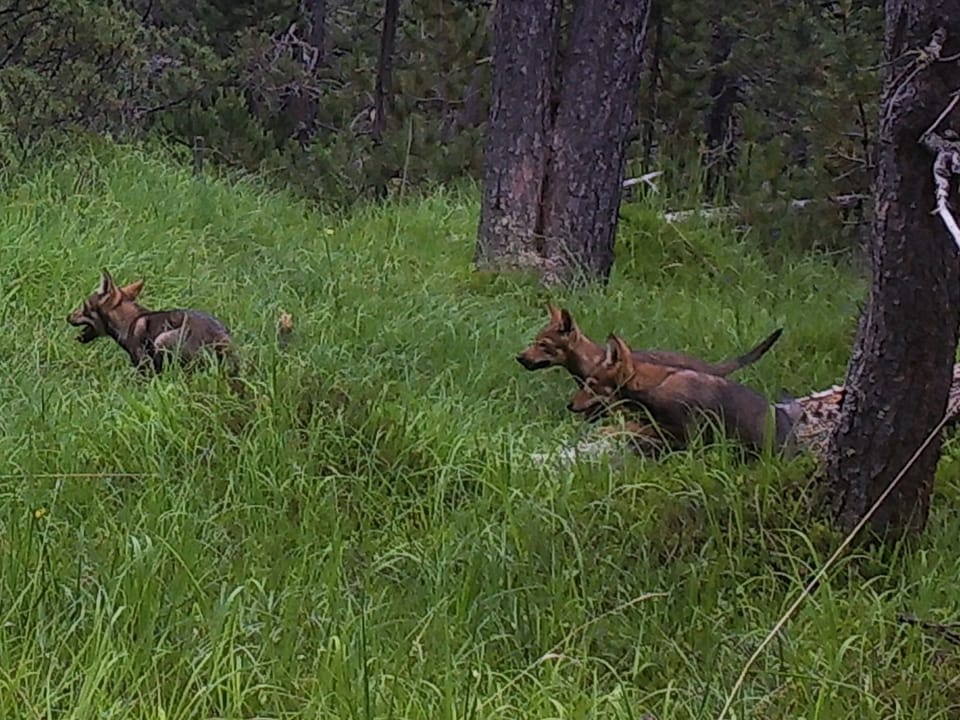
361, 533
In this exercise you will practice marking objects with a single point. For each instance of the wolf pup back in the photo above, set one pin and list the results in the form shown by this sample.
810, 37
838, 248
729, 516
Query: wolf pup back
680, 398
561, 343
149, 337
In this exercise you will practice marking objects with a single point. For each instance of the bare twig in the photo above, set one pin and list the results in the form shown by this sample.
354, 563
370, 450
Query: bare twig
946, 111
942, 629
645, 178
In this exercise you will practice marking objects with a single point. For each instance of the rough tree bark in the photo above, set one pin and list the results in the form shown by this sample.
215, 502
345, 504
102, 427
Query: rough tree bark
599, 91
517, 137
553, 175
900, 371
384, 83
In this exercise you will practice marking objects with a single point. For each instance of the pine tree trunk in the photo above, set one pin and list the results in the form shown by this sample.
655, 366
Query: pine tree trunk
901, 367
517, 136
599, 91
384, 84
553, 177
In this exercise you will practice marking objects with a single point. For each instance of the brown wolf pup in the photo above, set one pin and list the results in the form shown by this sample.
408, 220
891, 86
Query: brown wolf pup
679, 400
561, 342
150, 338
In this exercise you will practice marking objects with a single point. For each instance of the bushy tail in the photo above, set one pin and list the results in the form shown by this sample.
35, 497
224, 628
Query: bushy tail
725, 368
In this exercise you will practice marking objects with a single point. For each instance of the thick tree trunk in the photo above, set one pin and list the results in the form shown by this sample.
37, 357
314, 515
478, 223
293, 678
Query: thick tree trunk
901, 368
384, 84
552, 178
599, 91
517, 136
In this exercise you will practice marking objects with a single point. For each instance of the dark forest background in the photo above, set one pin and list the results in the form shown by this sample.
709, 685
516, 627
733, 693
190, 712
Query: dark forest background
753, 104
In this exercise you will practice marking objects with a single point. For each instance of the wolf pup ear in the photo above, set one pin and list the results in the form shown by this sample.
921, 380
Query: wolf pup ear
611, 354
618, 352
567, 325
132, 290
625, 363
106, 283
554, 313
623, 350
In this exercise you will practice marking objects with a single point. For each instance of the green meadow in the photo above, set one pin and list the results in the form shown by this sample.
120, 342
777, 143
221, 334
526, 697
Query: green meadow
360, 531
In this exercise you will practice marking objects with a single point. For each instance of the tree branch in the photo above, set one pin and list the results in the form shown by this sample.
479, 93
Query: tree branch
946, 164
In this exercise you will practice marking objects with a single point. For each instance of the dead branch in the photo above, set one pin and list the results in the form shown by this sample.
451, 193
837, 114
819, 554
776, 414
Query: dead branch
946, 164
946, 111
681, 215
645, 178
840, 201
289, 43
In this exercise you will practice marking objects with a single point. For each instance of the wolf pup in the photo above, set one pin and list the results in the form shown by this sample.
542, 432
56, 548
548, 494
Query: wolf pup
150, 338
680, 399
562, 343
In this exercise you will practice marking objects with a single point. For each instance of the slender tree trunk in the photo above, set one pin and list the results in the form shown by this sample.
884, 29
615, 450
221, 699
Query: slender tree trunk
900, 371
517, 138
383, 89
316, 11
552, 178
303, 108
599, 92
724, 94
653, 82
472, 113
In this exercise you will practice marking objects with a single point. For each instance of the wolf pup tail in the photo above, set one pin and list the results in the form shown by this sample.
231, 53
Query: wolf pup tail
749, 357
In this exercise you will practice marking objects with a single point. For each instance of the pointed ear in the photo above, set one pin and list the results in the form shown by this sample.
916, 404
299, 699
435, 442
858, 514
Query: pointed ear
106, 283
611, 353
618, 352
625, 368
554, 313
623, 350
567, 325
132, 290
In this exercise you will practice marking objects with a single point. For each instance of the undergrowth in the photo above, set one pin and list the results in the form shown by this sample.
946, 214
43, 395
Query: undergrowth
360, 531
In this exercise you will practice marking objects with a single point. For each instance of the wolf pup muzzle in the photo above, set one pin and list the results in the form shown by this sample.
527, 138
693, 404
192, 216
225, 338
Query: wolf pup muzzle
89, 330
532, 364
